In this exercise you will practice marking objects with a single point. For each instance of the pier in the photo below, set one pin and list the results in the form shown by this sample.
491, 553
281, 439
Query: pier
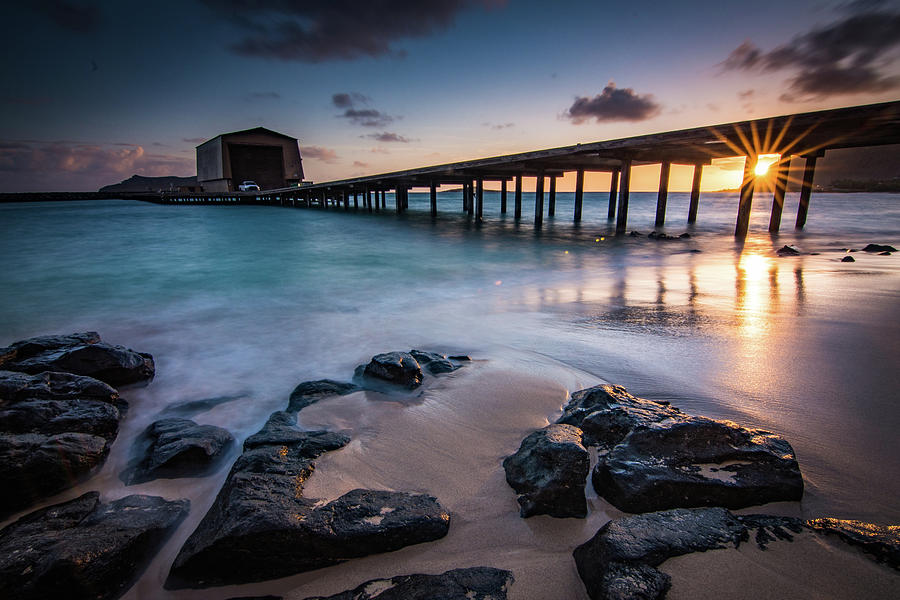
802, 136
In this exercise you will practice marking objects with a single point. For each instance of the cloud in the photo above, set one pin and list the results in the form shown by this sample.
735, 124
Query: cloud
311, 31
360, 164
849, 56
380, 151
349, 99
386, 136
194, 140
498, 125
80, 17
351, 102
613, 104
96, 160
326, 155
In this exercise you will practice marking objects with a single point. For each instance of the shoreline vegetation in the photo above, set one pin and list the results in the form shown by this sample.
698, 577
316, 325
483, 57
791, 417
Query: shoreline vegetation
675, 473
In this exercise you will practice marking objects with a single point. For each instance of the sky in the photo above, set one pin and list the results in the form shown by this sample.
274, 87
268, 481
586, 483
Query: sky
94, 92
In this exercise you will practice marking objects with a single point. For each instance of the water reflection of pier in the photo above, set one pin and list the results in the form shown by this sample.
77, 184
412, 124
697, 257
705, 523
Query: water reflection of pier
750, 294
805, 135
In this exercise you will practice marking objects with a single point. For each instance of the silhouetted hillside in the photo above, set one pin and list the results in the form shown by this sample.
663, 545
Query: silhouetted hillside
139, 183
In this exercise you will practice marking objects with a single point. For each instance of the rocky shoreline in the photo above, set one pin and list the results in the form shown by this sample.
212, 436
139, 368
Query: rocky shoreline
678, 475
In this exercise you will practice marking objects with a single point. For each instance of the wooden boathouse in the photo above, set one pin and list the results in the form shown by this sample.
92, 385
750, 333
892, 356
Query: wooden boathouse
805, 136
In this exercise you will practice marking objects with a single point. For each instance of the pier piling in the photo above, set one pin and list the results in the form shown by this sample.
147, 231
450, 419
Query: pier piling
809, 172
539, 200
695, 193
622, 216
781, 177
613, 194
663, 194
579, 193
746, 202
518, 198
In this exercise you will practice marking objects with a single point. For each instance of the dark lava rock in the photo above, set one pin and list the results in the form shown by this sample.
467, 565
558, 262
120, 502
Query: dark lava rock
179, 448
848, 259
460, 357
636, 234
34, 466
81, 354
435, 363
261, 527
474, 583
884, 253
697, 462
880, 541
659, 457
395, 367
685, 236
608, 413
55, 428
83, 549
549, 472
654, 235
50, 417
787, 251
16, 386
619, 561
310, 392
879, 248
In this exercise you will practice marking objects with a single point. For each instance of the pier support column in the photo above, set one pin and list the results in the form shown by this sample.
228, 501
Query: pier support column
613, 193
695, 193
433, 199
479, 200
663, 195
383, 199
539, 200
743, 219
579, 193
781, 177
369, 200
622, 216
809, 172
356, 200
470, 201
518, 198
503, 197
551, 200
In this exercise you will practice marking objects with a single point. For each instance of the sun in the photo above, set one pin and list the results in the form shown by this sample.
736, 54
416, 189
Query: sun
764, 162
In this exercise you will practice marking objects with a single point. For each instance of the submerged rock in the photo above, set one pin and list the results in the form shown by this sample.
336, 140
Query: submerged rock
80, 354
261, 527
435, 363
310, 392
549, 472
788, 251
395, 367
879, 248
697, 462
55, 429
474, 583
848, 259
179, 448
83, 549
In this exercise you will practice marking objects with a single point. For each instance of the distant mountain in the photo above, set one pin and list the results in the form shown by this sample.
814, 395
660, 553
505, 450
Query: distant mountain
139, 183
